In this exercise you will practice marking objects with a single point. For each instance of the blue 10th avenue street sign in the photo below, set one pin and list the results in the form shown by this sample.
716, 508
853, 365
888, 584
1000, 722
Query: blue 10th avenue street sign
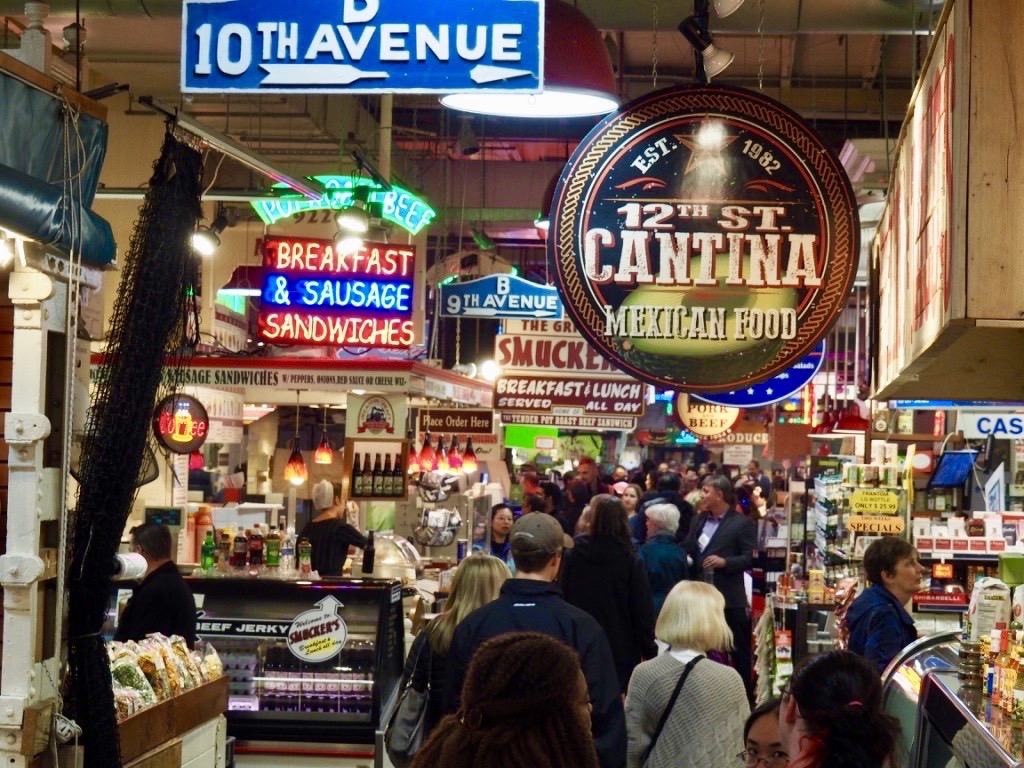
362, 46
501, 296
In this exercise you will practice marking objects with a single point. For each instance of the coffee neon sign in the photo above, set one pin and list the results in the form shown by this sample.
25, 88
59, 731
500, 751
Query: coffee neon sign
314, 294
180, 423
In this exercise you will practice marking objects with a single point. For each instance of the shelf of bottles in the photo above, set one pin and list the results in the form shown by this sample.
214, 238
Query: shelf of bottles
375, 469
830, 536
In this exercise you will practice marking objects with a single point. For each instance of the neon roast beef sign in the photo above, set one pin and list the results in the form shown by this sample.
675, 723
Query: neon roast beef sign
704, 238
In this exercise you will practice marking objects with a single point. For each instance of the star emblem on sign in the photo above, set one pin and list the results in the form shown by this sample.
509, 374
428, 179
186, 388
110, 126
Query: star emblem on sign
706, 147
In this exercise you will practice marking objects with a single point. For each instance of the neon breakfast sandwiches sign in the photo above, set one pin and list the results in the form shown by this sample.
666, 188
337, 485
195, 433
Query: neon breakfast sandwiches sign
314, 294
704, 238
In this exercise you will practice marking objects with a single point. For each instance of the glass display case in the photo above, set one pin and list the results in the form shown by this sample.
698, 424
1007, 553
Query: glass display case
307, 661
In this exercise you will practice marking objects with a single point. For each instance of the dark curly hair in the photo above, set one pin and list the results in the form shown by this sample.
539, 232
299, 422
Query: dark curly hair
839, 696
520, 706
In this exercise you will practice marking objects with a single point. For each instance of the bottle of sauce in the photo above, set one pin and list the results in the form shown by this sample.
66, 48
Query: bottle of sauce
369, 553
273, 548
387, 483
398, 478
256, 543
305, 556
357, 477
240, 551
206, 557
378, 477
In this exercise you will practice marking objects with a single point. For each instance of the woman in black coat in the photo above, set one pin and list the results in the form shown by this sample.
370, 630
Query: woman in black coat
603, 576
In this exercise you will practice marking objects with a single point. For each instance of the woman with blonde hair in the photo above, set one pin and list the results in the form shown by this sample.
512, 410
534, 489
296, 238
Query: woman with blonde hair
683, 710
477, 581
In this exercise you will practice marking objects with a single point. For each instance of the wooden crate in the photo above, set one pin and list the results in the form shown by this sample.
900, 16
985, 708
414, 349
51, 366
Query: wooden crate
169, 719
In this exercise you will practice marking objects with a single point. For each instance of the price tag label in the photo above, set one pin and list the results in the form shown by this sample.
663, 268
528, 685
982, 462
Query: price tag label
874, 501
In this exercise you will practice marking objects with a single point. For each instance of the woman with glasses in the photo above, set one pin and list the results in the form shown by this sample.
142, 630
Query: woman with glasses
831, 715
761, 736
684, 710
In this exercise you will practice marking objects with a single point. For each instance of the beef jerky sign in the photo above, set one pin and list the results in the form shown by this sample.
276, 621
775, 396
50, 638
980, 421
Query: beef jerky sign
704, 238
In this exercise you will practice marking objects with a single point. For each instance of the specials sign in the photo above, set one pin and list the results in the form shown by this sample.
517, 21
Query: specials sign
704, 238
316, 294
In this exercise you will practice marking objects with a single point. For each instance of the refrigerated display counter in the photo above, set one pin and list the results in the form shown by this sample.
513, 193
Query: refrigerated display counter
946, 724
314, 666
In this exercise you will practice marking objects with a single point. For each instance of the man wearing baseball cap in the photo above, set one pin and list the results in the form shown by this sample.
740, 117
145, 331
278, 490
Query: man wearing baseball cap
532, 602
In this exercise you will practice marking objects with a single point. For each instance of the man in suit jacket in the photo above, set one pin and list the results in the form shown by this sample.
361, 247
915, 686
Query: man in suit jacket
721, 543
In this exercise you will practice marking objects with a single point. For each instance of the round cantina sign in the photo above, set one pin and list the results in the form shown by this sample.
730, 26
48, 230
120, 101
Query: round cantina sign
705, 238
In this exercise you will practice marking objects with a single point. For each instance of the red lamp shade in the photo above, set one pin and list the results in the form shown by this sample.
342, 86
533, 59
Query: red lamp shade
324, 454
455, 455
441, 462
295, 471
578, 75
428, 459
469, 462
413, 463
196, 460
850, 420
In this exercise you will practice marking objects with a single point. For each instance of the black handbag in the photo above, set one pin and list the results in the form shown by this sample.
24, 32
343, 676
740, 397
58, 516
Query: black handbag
668, 708
405, 732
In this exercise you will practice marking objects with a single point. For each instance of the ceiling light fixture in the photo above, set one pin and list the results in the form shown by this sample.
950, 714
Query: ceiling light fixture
716, 60
295, 471
467, 143
578, 76
311, 188
354, 218
6, 250
727, 7
324, 454
206, 240
244, 281
346, 242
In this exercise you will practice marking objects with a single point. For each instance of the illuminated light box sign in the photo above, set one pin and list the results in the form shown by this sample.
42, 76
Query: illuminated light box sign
313, 294
399, 206
704, 238
779, 387
180, 423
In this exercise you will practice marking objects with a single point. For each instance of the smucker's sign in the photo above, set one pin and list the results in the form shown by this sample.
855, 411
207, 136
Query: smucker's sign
704, 238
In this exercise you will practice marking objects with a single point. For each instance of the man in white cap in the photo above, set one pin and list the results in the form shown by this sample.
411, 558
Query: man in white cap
532, 602
329, 533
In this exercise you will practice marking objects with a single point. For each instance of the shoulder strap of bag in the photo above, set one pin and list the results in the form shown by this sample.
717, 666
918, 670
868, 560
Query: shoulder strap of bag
671, 703
425, 645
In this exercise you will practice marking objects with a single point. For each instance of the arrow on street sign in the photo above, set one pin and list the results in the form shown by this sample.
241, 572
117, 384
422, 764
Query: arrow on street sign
486, 73
323, 74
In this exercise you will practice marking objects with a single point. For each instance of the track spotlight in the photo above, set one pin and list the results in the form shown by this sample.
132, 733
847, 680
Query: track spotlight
355, 218
6, 250
726, 7
206, 240
467, 143
347, 242
716, 60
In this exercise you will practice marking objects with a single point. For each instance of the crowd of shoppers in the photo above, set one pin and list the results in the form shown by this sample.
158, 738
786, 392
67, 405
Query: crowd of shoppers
559, 665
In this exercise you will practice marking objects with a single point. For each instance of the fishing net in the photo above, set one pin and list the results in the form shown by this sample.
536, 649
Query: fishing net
153, 318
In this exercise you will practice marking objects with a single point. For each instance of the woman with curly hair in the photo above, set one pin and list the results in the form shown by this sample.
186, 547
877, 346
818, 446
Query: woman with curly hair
524, 703
832, 715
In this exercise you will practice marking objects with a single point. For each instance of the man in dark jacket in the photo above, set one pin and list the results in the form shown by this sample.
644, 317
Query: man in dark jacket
161, 602
721, 545
666, 491
532, 603
879, 624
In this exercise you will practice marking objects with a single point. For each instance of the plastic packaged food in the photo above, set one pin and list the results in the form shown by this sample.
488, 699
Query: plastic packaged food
151, 661
129, 674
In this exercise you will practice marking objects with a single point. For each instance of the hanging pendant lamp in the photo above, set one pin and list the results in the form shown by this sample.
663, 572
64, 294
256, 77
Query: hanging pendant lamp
196, 460
578, 76
441, 456
324, 454
455, 455
469, 461
427, 457
295, 471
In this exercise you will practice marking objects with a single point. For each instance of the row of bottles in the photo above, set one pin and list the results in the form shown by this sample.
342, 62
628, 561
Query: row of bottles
277, 552
380, 481
1002, 675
